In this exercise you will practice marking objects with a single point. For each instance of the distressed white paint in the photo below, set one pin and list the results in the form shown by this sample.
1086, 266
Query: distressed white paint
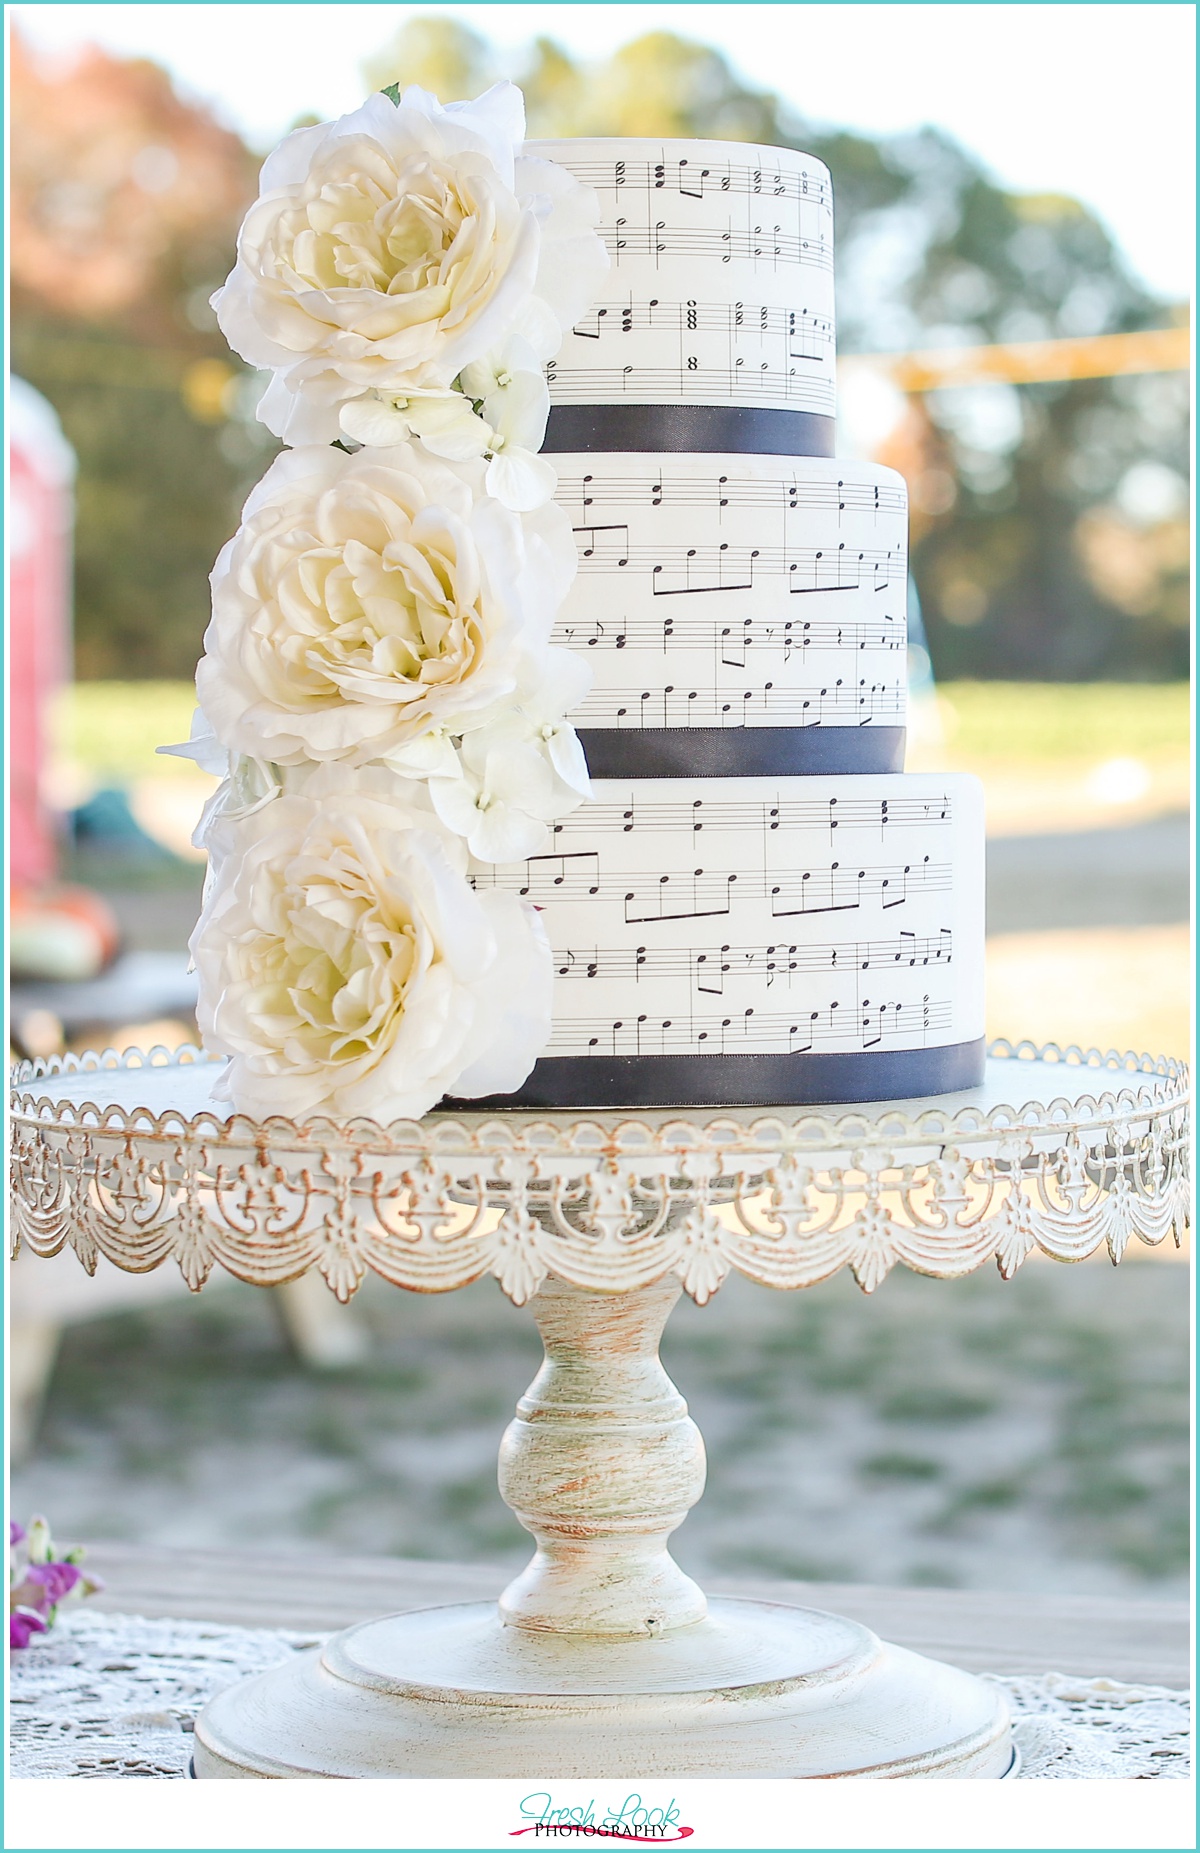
601, 1464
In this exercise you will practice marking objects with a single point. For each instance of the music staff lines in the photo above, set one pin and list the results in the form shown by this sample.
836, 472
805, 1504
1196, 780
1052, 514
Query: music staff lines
767, 493
767, 245
705, 179
653, 385
739, 320
825, 815
787, 638
728, 566
783, 1032
696, 894
852, 704
709, 970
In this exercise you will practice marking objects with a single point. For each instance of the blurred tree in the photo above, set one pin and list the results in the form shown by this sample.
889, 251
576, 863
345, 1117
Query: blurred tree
664, 85
556, 91
439, 54
124, 209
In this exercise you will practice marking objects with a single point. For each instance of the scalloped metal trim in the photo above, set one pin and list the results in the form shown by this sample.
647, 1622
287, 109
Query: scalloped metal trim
608, 1203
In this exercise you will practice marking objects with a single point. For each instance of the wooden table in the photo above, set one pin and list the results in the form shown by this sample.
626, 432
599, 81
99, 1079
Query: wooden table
1142, 1642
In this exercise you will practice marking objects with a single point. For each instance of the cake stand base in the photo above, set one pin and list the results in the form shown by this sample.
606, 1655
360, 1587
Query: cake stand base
756, 1689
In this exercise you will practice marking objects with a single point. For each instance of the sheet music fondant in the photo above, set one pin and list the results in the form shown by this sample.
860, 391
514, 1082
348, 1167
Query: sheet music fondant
755, 917
721, 287
736, 591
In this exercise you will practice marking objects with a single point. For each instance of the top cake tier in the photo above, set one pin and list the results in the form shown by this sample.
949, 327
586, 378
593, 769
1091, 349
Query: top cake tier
718, 309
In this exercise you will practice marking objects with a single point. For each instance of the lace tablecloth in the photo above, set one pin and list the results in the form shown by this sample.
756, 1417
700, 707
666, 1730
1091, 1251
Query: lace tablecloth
115, 1695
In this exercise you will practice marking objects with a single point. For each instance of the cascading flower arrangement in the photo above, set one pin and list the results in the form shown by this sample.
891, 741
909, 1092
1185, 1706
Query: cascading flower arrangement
379, 689
41, 1577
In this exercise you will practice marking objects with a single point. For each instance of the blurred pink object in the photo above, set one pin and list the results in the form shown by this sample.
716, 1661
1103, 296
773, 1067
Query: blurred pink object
41, 503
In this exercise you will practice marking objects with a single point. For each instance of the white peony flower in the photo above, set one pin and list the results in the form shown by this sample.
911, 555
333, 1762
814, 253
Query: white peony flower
370, 600
346, 966
390, 249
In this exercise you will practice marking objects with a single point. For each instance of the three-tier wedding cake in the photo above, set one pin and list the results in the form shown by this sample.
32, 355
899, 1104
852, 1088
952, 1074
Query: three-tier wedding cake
561, 476
757, 905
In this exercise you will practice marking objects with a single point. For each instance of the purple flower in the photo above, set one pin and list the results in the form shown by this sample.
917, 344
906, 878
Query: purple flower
22, 1624
40, 1578
57, 1579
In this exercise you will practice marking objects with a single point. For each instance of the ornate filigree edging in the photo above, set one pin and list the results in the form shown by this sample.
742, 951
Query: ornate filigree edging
606, 1202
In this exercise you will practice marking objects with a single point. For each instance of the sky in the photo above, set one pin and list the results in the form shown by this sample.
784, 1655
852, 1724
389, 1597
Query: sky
1094, 99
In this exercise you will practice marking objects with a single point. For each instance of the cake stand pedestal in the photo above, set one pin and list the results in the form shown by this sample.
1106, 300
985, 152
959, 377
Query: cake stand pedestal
602, 1658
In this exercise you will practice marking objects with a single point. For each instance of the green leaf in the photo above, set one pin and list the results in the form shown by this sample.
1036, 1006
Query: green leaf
393, 91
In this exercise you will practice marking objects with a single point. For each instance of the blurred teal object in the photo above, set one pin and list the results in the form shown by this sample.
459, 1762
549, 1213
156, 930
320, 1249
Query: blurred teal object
105, 822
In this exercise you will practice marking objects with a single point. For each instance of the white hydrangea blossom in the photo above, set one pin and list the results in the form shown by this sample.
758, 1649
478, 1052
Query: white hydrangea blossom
498, 410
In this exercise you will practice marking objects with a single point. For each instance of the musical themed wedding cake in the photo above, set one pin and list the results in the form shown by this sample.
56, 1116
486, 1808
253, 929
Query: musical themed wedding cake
557, 669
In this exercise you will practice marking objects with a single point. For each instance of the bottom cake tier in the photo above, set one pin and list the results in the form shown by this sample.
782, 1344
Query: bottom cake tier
787, 941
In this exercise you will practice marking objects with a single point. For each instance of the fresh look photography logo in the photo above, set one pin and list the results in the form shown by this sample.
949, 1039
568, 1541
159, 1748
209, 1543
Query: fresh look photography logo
634, 1819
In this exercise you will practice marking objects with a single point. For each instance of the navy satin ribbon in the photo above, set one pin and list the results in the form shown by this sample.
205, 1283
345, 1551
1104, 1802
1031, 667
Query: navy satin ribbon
739, 752
741, 1080
754, 432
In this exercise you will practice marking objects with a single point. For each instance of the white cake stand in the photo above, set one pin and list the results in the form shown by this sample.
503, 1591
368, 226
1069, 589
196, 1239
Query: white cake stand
603, 1659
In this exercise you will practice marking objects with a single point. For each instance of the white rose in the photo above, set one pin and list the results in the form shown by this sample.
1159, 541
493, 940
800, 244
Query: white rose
393, 247
346, 966
369, 600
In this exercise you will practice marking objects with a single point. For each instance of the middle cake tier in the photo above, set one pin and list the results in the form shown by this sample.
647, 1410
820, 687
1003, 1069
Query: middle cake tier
740, 614
751, 939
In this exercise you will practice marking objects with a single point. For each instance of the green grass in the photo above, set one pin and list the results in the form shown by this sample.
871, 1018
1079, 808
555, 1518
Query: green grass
112, 728
1066, 720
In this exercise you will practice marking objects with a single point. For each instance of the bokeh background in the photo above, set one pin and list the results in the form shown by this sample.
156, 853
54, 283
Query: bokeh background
1029, 378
